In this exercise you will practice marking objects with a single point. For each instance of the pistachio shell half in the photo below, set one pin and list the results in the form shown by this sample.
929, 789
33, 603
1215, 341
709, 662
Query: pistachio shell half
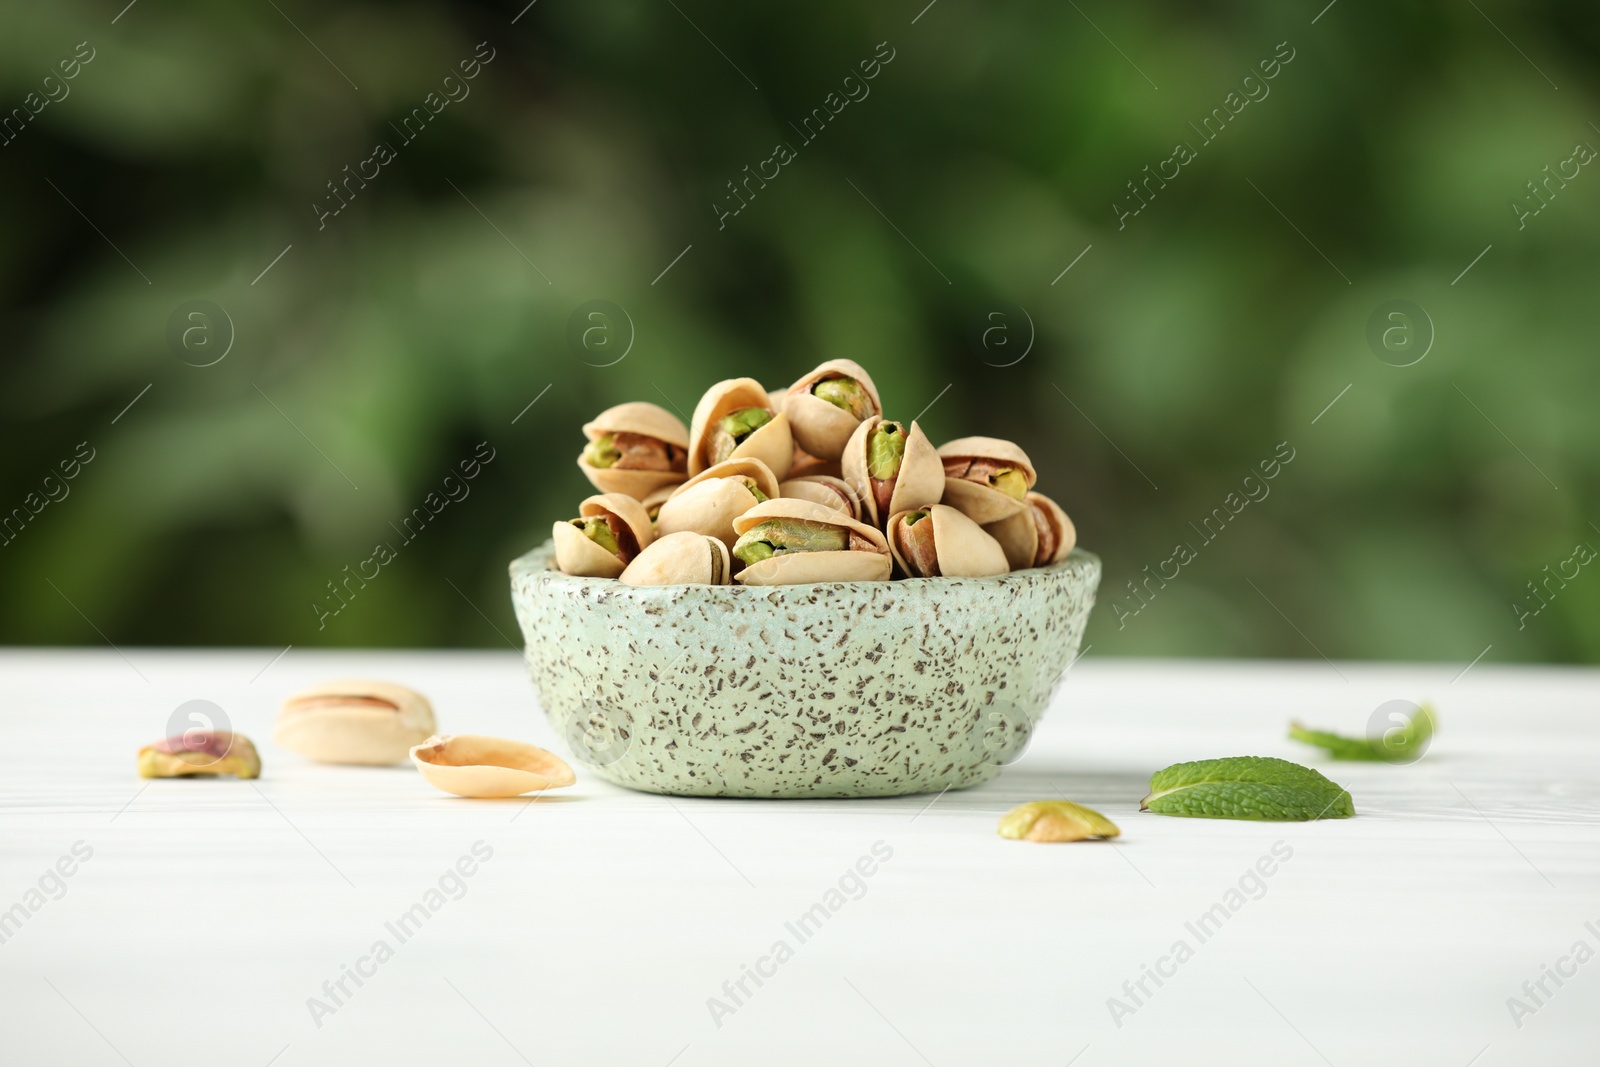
470, 765
821, 489
792, 541
710, 501
986, 478
939, 541
609, 532
683, 558
634, 448
200, 752
1039, 534
826, 405
737, 419
891, 468
354, 721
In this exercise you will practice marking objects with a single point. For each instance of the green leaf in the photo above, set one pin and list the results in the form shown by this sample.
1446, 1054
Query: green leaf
1398, 744
1246, 787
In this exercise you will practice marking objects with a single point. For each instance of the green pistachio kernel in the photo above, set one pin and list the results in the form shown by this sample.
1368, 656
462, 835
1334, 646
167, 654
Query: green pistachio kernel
1012, 483
598, 530
755, 490
846, 394
602, 452
742, 424
885, 449
752, 552
778, 536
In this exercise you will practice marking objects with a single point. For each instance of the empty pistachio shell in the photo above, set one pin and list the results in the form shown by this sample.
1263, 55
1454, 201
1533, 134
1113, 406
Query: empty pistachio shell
710, 501
682, 558
1055, 820
610, 531
892, 468
634, 448
1039, 534
354, 721
986, 478
826, 405
736, 419
821, 489
470, 765
200, 752
939, 541
792, 542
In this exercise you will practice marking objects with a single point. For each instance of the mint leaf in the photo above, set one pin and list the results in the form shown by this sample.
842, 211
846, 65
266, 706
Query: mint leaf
1246, 787
1398, 744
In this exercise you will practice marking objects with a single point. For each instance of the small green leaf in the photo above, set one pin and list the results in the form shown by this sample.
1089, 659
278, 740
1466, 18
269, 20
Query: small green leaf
1246, 787
1398, 744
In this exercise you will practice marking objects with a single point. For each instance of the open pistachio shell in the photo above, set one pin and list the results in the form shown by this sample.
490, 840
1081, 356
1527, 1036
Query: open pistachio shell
683, 558
918, 482
653, 500
806, 465
870, 562
470, 765
961, 548
356, 720
633, 474
627, 522
972, 491
820, 426
772, 443
710, 501
1039, 534
821, 489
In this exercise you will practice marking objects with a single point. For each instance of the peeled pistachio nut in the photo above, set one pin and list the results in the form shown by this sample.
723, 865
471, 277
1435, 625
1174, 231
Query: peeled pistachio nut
821, 489
1038, 535
710, 501
792, 542
1055, 820
634, 448
356, 721
470, 765
200, 752
611, 529
939, 541
682, 558
826, 405
892, 468
736, 419
986, 478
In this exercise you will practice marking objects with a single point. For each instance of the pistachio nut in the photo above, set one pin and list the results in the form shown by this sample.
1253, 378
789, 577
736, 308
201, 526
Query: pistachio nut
792, 541
1039, 534
821, 489
470, 765
200, 752
610, 530
826, 405
682, 558
710, 501
891, 468
634, 448
653, 500
354, 721
986, 478
1055, 820
737, 419
938, 541
806, 465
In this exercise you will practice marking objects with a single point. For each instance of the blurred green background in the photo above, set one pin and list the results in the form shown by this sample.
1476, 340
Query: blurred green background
987, 155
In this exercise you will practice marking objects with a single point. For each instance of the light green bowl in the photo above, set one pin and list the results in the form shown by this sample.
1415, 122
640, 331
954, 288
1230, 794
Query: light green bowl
862, 689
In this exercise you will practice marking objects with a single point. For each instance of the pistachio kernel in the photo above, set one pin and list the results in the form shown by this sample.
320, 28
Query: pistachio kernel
1013, 483
777, 536
602, 452
916, 544
755, 490
1055, 820
885, 449
732, 429
846, 394
598, 530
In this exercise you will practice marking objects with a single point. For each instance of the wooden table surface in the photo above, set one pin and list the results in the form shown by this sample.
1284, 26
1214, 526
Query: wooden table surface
215, 921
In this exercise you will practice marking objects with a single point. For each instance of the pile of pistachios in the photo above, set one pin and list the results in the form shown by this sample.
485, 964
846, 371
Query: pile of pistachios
805, 484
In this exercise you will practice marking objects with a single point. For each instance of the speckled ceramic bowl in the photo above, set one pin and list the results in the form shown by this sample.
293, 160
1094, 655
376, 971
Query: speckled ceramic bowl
832, 690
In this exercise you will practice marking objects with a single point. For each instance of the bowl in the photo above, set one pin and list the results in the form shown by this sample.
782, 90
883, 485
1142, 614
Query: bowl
861, 689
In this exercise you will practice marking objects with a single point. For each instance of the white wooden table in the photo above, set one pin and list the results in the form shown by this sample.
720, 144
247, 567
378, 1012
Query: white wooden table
603, 922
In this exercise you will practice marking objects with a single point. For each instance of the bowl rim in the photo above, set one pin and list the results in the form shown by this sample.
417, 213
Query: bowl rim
538, 563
